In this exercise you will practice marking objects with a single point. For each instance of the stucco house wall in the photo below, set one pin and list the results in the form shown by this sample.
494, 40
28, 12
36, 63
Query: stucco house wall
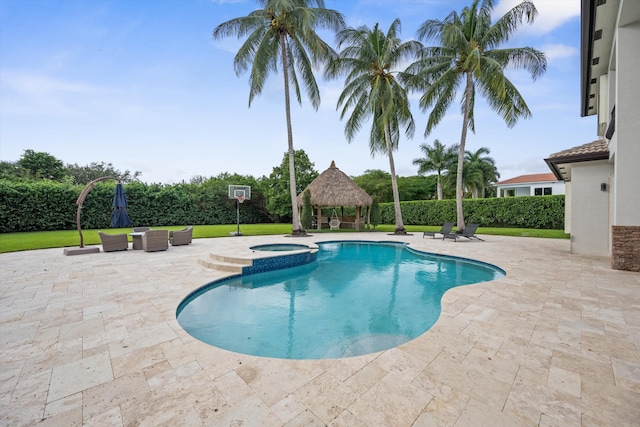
589, 214
624, 146
610, 60
523, 187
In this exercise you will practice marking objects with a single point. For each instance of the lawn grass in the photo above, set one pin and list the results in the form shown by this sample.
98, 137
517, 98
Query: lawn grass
13, 242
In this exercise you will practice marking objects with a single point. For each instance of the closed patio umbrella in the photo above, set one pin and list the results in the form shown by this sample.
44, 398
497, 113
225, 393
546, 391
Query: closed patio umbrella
119, 217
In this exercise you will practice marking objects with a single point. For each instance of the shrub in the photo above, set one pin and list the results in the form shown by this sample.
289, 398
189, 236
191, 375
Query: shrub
541, 212
307, 214
49, 206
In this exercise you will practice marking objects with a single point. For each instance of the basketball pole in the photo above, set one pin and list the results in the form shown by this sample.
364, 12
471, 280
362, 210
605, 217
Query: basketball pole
238, 216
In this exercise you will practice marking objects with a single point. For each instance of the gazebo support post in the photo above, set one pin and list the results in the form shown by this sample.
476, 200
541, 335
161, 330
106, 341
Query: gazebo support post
319, 218
358, 218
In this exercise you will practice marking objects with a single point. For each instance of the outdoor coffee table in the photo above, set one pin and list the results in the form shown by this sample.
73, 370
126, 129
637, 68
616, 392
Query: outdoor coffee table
137, 239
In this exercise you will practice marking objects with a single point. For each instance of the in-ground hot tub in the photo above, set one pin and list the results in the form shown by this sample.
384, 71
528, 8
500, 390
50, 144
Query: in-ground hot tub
279, 247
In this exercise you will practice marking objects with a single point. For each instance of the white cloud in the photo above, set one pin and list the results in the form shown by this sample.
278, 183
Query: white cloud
559, 51
551, 13
34, 93
38, 84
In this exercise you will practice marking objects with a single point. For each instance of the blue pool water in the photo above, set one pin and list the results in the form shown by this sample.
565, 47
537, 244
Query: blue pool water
357, 298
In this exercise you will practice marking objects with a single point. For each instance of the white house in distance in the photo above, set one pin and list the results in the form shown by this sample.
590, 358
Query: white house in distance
537, 184
603, 196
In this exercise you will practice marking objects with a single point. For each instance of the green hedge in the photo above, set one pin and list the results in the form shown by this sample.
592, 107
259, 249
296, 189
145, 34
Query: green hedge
541, 212
49, 206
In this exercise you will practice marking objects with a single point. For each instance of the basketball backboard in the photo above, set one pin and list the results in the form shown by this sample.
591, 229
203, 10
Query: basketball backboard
240, 190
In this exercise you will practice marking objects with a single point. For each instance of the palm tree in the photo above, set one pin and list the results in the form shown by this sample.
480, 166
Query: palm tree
369, 60
468, 57
486, 165
283, 33
471, 177
437, 159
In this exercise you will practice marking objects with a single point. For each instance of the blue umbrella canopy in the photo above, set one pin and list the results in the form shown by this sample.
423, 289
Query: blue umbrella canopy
119, 217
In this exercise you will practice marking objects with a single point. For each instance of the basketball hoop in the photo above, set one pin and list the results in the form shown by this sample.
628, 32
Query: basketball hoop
240, 193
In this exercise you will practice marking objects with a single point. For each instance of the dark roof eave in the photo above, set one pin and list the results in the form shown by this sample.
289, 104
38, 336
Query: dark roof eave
554, 168
553, 162
586, 52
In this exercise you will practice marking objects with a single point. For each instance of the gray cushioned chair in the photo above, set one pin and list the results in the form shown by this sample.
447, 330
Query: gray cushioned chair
155, 240
181, 237
113, 242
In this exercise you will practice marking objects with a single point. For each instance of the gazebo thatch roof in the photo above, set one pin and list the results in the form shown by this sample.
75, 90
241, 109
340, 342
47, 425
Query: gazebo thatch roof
334, 188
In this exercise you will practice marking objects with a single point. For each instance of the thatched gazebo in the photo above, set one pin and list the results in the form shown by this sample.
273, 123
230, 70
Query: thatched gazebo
334, 188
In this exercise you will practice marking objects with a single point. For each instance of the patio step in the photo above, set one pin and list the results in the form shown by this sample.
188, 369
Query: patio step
224, 263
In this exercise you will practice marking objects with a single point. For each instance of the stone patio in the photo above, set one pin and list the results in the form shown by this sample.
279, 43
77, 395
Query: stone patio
93, 340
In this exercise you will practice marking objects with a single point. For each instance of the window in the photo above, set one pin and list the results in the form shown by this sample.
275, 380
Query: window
511, 193
540, 191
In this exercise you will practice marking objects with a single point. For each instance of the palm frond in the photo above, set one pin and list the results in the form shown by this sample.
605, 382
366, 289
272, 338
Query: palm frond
264, 62
440, 94
510, 105
508, 23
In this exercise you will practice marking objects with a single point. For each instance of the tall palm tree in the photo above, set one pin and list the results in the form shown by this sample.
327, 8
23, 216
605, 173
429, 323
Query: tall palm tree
369, 60
283, 33
437, 158
468, 57
486, 165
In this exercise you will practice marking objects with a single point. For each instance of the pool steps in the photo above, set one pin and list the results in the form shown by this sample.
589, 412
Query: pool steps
225, 263
256, 262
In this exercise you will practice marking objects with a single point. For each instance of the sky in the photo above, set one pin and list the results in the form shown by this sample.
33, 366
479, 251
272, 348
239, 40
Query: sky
144, 86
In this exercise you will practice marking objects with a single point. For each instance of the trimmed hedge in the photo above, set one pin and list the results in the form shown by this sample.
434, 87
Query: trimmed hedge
50, 206
541, 212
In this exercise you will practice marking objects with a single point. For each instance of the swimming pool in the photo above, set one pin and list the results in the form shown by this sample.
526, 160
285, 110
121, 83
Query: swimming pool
357, 298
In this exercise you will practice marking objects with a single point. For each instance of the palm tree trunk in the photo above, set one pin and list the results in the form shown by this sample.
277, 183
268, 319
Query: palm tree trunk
394, 184
463, 140
439, 187
295, 217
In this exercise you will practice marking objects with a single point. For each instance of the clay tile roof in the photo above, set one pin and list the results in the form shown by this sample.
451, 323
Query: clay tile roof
334, 188
535, 177
595, 148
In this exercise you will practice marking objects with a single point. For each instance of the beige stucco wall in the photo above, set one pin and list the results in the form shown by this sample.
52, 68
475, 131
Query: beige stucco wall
625, 147
590, 229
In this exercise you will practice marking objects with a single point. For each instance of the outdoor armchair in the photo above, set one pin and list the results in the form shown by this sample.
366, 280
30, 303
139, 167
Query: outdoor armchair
113, 242
155, 240
181, 237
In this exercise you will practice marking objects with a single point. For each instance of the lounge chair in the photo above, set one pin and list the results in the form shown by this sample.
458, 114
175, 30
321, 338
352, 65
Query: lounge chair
155, 240
446, 229
113, 242
139, 229
181, 237
469, 232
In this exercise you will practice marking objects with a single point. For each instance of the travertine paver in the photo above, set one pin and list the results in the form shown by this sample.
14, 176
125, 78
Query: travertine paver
93, 340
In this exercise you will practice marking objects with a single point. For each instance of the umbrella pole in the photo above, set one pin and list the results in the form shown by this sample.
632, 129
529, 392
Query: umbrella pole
80, 201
